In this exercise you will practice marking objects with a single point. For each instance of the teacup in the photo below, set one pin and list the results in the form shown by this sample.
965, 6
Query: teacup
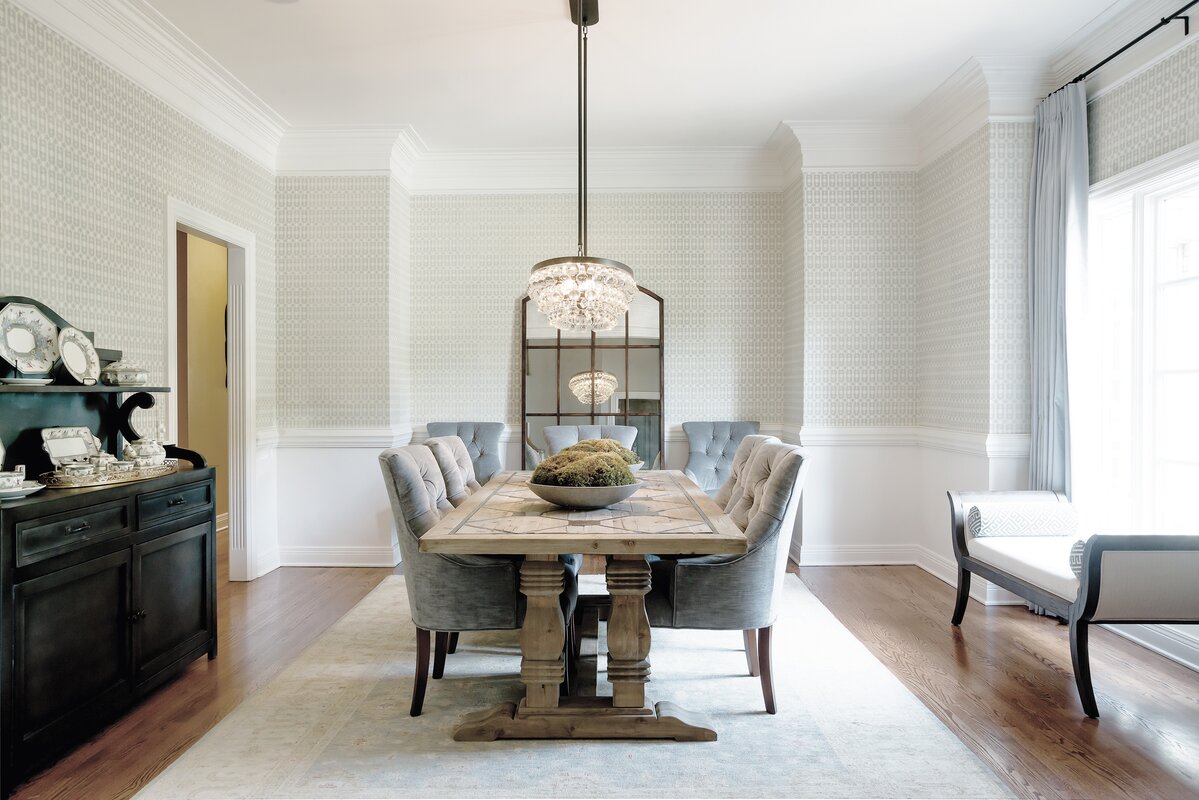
120, 466
78, 469
13, 479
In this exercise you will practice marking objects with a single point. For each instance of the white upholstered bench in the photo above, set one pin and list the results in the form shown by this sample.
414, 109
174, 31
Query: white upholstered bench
1023, 542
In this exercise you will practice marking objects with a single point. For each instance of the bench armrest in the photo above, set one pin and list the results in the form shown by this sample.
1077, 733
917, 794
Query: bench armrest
960, 503
1135, 578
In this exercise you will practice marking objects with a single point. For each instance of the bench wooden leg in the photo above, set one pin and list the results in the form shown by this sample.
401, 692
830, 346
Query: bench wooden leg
1080, 655
959, 610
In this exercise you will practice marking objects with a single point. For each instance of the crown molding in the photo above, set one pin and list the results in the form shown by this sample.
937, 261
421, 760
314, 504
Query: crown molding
138, 42
614, 169
854, 144
788, 154
984, 89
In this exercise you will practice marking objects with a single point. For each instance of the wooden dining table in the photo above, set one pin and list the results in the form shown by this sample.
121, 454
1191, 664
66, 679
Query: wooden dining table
668, 516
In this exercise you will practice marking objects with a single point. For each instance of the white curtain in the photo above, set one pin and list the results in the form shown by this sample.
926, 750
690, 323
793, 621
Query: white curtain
1056, 250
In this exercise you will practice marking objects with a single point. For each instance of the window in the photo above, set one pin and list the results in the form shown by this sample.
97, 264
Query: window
1134, 360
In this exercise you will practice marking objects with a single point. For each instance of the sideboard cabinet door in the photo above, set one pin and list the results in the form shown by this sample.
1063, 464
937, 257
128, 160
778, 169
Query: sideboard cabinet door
173, 598
72, 649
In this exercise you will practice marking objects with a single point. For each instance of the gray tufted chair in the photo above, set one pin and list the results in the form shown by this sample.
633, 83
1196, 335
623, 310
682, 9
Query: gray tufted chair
712, 445
448, 593
740, 592
456, 467
730, 491
560, 437
482, 440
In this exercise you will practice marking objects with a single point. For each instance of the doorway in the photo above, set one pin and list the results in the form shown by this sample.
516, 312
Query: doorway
202, 281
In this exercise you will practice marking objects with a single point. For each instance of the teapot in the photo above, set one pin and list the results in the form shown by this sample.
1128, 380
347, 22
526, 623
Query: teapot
145, 453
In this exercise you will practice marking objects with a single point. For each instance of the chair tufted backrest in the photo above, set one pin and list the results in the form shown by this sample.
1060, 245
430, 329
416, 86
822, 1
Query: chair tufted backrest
456, 467
482, 440
772, 482
560, 437
712, 446
730, 491
417, 492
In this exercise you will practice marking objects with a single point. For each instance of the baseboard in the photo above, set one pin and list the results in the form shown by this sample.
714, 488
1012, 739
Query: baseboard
386, 557
222, 521
852, 555
946, 569
1163, 640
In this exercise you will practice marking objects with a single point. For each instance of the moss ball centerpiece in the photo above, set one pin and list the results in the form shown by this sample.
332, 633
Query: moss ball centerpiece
591, 474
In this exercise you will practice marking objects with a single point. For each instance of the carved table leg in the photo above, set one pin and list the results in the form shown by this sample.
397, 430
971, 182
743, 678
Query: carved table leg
544, 631
628, 630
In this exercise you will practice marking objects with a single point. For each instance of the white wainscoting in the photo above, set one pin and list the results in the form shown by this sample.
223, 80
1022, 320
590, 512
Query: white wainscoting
333, 507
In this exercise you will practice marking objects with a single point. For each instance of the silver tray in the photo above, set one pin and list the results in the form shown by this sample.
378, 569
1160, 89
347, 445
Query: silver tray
54, 480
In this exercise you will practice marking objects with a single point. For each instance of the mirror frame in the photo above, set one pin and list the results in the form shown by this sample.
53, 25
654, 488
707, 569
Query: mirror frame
559, 347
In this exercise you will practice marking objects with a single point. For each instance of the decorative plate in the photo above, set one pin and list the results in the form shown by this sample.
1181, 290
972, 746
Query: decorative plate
67, 445
24, 490
79, 355
27, 381
28, 339
586, 497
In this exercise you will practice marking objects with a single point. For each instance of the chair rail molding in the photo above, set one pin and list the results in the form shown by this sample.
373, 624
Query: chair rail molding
344, 438
133, 38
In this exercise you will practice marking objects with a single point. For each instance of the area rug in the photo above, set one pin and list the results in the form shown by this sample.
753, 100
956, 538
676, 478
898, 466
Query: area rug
335, 724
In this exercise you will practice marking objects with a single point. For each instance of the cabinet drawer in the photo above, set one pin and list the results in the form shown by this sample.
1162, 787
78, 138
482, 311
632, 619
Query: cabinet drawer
49, 536
172, 503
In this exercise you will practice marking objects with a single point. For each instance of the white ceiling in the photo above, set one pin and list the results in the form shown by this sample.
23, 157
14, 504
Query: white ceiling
501, 73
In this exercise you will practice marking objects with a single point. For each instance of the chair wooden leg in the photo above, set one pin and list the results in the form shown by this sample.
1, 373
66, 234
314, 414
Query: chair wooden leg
751, 651
765, 665
439, 650
421, 678
453, 648
959, 610
1080, 655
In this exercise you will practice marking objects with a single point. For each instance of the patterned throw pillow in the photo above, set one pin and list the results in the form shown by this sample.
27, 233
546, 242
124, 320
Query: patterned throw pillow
1076, 557
1021, 519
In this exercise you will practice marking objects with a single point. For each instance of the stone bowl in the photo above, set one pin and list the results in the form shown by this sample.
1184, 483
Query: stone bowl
637, 466
584, 497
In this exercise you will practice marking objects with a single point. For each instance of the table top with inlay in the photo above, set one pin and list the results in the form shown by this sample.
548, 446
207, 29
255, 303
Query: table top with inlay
669, 515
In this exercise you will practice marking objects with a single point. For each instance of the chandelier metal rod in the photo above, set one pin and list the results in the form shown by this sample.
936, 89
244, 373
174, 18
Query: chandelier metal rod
582, 87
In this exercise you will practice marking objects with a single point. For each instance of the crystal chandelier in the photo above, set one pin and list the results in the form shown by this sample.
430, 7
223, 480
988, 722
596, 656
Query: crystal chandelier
592, 388
582, 293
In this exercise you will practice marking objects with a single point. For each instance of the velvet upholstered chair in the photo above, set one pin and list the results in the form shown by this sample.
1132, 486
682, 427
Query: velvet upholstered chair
740, 592
482, 440
448, 593
711, 447
560, 437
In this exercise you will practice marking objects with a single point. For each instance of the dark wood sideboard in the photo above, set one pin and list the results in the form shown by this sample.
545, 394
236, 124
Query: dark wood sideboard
105, 592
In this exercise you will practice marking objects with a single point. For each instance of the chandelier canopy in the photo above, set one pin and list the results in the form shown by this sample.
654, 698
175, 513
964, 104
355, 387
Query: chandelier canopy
592, 388
581, 292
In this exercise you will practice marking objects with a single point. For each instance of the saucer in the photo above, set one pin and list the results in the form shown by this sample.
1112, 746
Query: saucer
24, 490
27, 381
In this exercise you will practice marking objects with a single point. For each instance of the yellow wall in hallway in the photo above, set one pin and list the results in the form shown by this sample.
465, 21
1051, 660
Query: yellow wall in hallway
207, 403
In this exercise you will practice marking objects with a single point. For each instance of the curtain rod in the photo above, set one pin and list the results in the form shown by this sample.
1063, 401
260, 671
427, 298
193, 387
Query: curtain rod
1163, 22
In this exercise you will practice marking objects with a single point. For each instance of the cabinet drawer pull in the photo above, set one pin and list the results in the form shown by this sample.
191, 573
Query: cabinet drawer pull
177, 501
80, 528
136, 617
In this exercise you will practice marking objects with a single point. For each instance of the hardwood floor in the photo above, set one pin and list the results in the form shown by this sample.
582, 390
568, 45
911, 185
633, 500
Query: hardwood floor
262, 626
1003, 683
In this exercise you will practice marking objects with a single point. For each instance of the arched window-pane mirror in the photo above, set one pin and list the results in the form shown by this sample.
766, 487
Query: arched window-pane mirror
594, 378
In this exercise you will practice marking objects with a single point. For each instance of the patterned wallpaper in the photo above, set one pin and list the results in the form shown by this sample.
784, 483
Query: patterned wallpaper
399, 289
715, 258
1146, 116
859, 267
1011, 146
335, 257
87, 162
952, 351
793, 300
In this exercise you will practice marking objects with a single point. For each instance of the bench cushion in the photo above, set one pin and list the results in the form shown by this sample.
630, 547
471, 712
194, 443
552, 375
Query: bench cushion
1043, 561
1021, 519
